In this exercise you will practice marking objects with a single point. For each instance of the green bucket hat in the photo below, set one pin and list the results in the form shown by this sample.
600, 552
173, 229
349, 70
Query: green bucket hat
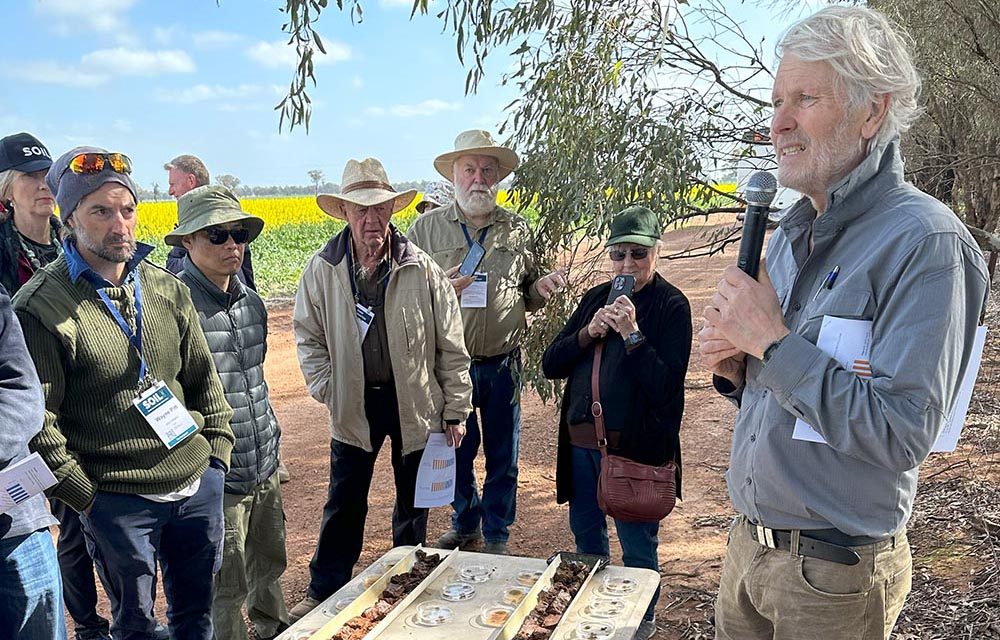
637, 225
206, 206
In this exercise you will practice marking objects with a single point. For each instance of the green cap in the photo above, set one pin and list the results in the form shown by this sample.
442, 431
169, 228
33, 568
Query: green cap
207, 206
637, 225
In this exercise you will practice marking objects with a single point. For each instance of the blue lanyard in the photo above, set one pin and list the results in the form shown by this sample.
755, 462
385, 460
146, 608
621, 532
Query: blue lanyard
350, 269
134, 338
468, 238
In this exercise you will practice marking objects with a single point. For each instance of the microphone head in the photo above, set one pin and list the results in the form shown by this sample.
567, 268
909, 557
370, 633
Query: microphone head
761, 188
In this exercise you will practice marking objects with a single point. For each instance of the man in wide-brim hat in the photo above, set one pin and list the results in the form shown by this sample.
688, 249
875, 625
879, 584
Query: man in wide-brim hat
215, 232
379, 337
494, 302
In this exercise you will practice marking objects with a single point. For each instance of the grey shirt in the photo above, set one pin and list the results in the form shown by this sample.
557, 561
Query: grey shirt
908, 265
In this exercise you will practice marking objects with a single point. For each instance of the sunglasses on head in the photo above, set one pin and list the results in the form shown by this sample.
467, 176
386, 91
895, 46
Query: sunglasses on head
85, 163
617, 255
217, 235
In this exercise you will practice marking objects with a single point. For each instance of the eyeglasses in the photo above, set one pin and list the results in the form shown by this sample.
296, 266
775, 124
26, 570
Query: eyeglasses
85, 163
217, 235
617, 255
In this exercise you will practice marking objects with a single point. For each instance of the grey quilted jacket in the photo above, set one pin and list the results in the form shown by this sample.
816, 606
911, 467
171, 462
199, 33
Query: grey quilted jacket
235, 324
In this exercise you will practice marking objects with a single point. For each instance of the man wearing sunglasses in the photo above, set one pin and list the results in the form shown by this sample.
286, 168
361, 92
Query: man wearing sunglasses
216, 231
136, 425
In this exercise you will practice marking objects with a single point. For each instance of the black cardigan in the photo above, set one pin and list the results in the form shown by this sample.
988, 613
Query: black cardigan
646, 385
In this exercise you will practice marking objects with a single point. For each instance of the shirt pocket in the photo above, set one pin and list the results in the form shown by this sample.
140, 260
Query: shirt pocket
449, 257
855, 304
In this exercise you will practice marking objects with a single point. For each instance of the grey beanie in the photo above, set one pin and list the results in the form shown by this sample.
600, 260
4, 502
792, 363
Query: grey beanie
69, 188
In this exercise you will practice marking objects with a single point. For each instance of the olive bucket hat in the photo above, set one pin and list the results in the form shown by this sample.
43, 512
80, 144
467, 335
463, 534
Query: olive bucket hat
636, 225
208, 206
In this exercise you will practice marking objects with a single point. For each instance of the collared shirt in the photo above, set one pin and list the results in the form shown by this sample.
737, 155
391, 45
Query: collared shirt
375, 347
511, 266
909, 266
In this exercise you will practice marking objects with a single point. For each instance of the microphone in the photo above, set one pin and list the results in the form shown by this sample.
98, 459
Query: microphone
759, 193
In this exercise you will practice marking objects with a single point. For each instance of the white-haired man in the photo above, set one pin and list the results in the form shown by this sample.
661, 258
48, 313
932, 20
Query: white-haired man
819, 548
506, 284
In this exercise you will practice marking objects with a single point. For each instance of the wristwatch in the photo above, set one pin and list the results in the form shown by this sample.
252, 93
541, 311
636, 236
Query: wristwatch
771, 348
634, 339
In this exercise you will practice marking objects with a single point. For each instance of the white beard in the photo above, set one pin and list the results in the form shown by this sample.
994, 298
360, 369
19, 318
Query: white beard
477, 203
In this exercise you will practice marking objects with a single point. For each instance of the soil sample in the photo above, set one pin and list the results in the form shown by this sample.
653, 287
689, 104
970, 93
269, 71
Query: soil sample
399, 587
552, 603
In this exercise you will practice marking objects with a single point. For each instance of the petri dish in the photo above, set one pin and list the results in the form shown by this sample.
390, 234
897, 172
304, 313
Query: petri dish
457, 591
618, 585
528, 578
514, 594
595, 630
433, 614
495, 615
605, 607
475, 572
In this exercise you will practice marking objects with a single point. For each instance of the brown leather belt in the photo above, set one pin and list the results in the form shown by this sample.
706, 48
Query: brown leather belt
811, 543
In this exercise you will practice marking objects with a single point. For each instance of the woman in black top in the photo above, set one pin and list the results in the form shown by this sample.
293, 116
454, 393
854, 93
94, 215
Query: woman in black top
29, 229
647, 343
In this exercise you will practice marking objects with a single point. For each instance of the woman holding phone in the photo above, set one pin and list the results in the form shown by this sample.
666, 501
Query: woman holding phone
644, 323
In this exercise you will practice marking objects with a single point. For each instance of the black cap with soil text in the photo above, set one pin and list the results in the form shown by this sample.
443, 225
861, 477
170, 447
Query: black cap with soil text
23, 151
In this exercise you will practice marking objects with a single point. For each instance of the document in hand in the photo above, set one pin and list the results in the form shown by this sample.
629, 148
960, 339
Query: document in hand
22, 480
436, 474
849, 343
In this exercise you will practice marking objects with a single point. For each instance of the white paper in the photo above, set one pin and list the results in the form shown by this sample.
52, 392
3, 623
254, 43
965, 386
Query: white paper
474, 295
364, 317
953, 424
168, 417
436, 475
22, 480
849, 343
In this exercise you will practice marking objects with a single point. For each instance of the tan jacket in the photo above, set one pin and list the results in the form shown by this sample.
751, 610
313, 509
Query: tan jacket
426, 346
509, 262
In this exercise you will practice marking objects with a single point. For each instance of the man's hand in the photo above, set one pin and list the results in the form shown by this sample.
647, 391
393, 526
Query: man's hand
458, 281
746, 312
720, 356
454, 434
550, 283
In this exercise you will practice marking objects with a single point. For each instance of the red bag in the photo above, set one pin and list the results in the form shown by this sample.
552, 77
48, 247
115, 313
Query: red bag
628, 490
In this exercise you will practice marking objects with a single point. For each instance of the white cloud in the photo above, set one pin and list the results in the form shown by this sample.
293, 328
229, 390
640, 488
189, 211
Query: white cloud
278, 54
420, 109
69, 16
215, 39
357, 82
165, 35
212, 93
123, 61
47, 72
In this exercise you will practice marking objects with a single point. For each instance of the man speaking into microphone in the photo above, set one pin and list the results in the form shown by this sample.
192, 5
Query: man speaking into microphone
819, 547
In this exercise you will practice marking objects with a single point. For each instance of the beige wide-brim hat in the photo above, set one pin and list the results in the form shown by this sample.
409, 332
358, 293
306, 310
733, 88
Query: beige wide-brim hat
207, 206
366, 184
480, 143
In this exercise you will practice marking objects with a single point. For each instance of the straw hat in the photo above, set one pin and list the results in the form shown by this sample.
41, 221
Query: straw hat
476, 142
207, 206
366, 184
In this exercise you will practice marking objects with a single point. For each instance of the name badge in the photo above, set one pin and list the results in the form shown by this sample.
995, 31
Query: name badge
474, 295
170, 420
364, 317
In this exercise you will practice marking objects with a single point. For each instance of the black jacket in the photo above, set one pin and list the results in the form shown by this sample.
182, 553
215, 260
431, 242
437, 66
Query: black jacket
642, 391
10, 250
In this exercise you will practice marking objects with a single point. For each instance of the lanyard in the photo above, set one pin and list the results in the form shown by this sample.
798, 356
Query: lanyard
468, 238
134, 338
350, 270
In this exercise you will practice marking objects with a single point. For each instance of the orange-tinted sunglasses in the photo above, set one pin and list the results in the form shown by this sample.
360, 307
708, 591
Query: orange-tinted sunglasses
95, 163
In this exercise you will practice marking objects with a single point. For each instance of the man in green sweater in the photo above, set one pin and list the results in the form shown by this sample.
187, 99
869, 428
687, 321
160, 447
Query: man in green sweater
136, 426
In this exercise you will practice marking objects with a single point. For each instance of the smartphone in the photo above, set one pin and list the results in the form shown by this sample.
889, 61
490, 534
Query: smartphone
621, 286
472, 259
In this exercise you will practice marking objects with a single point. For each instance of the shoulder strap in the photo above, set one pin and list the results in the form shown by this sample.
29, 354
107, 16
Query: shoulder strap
596, 408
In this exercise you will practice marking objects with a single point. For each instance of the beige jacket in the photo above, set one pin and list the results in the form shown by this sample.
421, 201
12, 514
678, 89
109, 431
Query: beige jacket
426, 346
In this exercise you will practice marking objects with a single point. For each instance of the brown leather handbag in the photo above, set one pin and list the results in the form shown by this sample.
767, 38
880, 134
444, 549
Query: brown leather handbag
628, 490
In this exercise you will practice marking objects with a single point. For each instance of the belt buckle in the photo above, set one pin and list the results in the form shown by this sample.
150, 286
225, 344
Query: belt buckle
765, 537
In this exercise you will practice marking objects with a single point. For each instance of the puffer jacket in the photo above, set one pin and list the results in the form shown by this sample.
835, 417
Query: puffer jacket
235, 325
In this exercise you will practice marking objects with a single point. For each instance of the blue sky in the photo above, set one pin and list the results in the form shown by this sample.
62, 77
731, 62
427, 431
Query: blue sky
157, 78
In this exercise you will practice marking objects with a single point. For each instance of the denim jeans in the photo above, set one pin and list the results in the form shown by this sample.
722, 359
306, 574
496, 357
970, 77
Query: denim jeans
77, 569
342, 531
590, 526
31, 605
495, 389
127, 534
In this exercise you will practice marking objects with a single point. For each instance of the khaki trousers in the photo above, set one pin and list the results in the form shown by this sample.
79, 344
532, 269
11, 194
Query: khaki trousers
253, 559
775, 595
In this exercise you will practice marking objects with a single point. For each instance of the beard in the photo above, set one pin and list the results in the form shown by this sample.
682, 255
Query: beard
477, 202
832, 159
102, 250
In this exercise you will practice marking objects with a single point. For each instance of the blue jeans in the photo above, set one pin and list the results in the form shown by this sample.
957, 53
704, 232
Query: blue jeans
127, 535
31, 605
590, 526
496, 385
